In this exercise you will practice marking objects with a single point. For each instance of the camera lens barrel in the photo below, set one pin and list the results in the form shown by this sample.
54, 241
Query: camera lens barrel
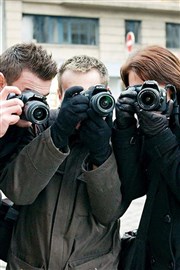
148, 99
151, 96
103, 103
36, 109
36, 112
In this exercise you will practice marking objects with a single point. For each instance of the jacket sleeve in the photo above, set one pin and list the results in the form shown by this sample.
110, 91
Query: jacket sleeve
29, 172
164, 150
127, 145
103, 186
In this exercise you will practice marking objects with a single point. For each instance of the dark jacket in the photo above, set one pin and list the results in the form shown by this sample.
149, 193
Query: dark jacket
68, 216
141, 161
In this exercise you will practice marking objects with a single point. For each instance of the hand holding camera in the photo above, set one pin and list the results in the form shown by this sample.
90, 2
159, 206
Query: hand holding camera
150, 96
36, 109
125, 109
149, 102
95, 133
73, 110
152, 107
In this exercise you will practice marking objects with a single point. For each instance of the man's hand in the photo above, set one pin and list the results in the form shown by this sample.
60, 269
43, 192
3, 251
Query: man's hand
73, 110
125, 109
10, 110
95, 133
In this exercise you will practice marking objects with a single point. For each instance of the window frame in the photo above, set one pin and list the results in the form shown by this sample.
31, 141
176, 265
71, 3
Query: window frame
172, 29
86, 30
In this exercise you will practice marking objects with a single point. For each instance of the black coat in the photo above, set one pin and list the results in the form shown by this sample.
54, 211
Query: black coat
138, 160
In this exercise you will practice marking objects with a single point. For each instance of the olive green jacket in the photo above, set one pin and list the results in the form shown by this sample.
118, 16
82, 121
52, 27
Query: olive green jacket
68, 216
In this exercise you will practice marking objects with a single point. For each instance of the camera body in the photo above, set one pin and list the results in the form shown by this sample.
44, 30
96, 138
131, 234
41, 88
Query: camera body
150, 96
100, 99
36, 109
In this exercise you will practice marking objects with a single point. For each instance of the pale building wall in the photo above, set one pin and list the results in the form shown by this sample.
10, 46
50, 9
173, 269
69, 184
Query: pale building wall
111, 47
112, 15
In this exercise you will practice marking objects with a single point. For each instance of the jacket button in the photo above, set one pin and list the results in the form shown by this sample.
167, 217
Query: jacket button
152, 260
132, 140
171, 266
167, 218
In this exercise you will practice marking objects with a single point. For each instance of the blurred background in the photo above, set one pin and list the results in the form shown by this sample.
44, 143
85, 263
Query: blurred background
108, 30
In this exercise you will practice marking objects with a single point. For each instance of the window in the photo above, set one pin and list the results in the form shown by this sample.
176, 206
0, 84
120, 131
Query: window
172, 35
60, 30
135, 27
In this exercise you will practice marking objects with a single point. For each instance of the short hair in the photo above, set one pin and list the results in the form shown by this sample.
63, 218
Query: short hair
153, 63
27, 56
83, 63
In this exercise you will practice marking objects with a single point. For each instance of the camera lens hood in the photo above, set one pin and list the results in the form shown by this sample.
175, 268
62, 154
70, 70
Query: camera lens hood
36, 112
103, 103
148, 99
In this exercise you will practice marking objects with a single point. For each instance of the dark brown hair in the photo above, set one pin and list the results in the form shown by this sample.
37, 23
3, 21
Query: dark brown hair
27, 56
153, 63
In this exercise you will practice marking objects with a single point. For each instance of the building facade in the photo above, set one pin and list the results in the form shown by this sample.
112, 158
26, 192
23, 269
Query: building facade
94, 27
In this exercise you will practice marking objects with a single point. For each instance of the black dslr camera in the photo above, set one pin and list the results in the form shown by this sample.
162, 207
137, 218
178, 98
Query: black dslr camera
150, 96
101, 100
36, 109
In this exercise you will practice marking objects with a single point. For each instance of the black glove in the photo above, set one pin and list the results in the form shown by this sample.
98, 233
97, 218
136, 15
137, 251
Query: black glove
73, 110
151, 123
95, 133
125, 109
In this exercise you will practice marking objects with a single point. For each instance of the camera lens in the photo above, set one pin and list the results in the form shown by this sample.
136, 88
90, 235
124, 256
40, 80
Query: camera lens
39, 114
103, 103
36, 112
148, 99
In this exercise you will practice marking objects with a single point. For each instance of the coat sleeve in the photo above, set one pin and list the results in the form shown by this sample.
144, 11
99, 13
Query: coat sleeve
29, 172
103, 186
128, 149
164, 150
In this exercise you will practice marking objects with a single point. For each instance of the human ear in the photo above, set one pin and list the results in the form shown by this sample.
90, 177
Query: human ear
2, 81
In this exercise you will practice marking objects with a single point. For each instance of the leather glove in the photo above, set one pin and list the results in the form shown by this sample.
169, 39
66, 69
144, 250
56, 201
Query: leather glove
95, 134
125, 109
73, 110
151, 123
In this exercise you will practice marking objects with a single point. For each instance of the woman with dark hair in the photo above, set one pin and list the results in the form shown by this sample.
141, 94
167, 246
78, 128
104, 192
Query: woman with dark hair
146, 141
